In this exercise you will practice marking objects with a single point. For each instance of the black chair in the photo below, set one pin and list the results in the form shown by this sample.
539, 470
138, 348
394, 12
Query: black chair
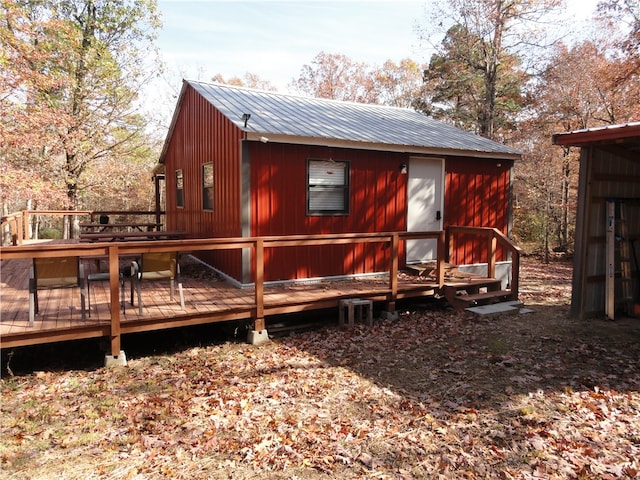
125, 272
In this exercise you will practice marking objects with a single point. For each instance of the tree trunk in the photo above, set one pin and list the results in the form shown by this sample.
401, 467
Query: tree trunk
547, 227
566, 180
6, 231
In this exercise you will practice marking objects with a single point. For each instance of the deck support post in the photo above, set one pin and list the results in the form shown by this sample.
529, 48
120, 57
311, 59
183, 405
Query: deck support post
117, 356
119, 360
259, 333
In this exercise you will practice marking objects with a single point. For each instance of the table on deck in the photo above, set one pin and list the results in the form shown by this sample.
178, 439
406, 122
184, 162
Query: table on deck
135, 226
113, 236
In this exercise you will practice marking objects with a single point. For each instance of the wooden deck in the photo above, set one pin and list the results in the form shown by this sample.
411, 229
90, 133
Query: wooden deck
208, 299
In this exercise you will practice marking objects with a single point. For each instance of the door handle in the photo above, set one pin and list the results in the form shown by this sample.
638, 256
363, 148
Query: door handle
438, 215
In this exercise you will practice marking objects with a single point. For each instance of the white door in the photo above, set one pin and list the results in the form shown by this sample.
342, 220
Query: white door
424, 211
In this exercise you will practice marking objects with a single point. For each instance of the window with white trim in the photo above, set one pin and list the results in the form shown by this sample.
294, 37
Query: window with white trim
327, 187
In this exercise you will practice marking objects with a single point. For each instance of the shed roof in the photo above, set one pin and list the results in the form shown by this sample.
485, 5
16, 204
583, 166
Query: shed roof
628, 133
277, 117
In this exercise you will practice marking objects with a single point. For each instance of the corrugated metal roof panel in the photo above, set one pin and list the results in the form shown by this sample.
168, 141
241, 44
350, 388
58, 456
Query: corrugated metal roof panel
289, 115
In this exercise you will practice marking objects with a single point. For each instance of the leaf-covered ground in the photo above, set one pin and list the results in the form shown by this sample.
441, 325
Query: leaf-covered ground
435, 394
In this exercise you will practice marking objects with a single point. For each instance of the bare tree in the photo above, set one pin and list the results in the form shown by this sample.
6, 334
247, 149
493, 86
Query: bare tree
398, 84
249, 80
337, 77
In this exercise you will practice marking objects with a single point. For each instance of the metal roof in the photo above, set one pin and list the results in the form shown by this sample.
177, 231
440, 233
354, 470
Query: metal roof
621, 133
288, 118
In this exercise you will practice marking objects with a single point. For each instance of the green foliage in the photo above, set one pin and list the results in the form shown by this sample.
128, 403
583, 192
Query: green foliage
457, 88
50, 233
528, 226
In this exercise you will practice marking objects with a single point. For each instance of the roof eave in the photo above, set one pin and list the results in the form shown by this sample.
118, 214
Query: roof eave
174, 120
338, 143
589, 136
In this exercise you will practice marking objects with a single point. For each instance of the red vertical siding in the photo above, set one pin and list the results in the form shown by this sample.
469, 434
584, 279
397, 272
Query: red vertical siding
278, 207
477, 194
201, 135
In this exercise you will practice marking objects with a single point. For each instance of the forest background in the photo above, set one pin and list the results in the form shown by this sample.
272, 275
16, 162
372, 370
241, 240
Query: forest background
75, 133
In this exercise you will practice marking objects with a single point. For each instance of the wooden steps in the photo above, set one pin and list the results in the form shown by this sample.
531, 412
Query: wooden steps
476, 292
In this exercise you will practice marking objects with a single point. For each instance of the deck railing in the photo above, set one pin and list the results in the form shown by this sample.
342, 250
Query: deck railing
390, 240
114, 250
17, 223
13, 223
495, 239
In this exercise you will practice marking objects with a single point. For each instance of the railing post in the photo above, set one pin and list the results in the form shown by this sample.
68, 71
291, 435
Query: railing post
441, 249
157, 192
258, 320
393, 273
13, 230
492, 251
515, 273
24, 230
450, 242
114, 287
20, 230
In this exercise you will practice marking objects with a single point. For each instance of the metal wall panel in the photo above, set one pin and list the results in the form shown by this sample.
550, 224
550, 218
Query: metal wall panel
611, 176
202, 134
278, 207
477, 194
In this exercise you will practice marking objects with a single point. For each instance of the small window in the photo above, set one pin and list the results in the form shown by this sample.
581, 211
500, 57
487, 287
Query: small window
327, 187
207, 186
179, 189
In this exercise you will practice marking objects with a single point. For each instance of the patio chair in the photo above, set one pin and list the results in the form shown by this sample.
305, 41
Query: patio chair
125, 272
54, 272
158, 266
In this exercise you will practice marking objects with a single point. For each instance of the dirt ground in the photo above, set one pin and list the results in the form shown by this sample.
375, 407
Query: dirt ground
434, 394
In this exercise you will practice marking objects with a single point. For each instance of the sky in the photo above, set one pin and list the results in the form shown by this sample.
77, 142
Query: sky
275, 39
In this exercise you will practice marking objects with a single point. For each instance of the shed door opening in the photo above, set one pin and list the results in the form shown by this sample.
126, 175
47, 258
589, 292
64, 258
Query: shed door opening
424, 211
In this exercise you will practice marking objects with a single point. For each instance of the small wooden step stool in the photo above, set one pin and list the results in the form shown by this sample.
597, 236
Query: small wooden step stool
353, 306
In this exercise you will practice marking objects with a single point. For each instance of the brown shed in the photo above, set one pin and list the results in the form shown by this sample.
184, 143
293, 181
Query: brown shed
607, 246
242, 163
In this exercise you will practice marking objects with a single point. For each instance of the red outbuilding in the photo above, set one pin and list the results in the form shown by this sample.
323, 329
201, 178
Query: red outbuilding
240, 162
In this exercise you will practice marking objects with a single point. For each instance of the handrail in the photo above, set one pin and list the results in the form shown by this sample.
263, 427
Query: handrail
14, 222
494, 237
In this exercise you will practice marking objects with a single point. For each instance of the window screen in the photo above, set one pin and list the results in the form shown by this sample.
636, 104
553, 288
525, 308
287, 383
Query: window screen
327, 187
